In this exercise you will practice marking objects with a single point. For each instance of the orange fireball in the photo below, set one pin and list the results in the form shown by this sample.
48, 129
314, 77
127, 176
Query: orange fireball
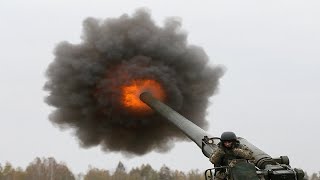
131, 94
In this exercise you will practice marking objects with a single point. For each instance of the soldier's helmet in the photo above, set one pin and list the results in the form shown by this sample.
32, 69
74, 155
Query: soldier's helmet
228, 136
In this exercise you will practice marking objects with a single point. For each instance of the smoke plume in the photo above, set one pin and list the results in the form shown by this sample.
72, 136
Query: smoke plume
84, 82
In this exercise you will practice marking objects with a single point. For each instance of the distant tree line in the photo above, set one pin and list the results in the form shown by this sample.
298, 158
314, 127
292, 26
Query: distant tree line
50, 169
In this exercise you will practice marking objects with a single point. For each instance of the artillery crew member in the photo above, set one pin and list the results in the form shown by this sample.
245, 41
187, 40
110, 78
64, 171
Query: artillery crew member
228, 149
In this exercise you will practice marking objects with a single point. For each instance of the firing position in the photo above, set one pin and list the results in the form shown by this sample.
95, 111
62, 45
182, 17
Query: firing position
229, 148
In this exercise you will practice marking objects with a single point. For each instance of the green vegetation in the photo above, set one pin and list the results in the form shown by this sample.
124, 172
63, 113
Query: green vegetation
50, 169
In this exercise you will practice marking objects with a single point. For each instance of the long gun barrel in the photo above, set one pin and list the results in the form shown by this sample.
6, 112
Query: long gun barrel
199, 136
194, 132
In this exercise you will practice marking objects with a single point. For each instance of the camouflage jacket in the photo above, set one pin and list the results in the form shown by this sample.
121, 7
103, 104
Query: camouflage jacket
222, 156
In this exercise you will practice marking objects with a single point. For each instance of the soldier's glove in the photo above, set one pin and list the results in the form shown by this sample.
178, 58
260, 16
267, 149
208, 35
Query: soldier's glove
220, 175
217, 156
246, 154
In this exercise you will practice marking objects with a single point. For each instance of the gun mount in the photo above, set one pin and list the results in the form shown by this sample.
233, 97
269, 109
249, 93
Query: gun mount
266, 166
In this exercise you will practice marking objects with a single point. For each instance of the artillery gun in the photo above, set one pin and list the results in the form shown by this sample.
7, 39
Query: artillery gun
263, 167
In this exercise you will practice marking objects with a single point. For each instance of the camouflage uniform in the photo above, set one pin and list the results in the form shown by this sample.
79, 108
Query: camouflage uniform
223, 156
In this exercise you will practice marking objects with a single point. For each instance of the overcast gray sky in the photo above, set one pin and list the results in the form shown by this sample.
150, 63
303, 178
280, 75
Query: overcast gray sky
268, 95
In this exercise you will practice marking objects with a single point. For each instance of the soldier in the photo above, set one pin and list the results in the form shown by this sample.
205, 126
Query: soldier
228, 149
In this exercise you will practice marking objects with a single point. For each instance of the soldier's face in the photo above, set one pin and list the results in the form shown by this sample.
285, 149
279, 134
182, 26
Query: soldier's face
227, 144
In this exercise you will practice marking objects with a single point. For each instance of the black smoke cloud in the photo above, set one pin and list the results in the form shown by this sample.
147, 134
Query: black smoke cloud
84, 82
